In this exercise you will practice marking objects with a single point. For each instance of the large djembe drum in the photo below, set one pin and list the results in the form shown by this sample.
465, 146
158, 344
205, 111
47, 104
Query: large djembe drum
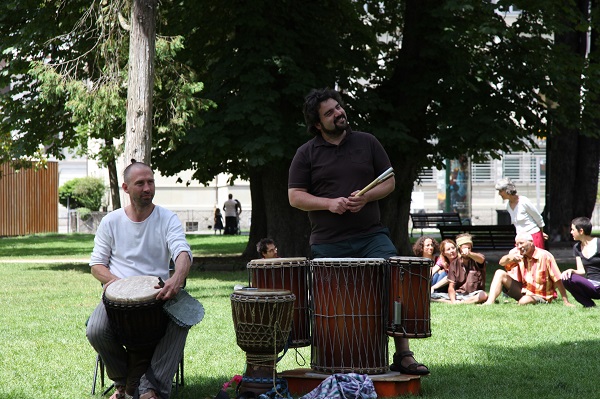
289, 274
349, 315
262, 319
410, 293
138, 320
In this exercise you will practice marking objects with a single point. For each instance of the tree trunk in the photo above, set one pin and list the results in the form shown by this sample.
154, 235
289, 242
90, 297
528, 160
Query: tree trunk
258, 227
288, 226
138, 129
113, 177
563, 152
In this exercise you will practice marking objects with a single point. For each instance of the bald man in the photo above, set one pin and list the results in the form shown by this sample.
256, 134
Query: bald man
531, 275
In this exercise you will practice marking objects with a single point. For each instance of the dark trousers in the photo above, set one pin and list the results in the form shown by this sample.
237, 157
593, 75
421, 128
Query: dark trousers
230, 225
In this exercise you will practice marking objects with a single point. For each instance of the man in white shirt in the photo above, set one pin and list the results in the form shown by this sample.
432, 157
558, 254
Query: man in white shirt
139, 240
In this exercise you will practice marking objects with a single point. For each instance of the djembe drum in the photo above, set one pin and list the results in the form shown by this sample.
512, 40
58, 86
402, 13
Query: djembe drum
349, 315
138, 320
289, 274
262, 319
410, 294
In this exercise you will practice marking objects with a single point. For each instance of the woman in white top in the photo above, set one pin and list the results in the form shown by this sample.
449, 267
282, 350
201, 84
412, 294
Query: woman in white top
523, 214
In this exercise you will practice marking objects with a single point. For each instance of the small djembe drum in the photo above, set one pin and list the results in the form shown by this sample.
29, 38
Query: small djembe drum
138, 320
262, 319
289, 274
410, 294
349, 315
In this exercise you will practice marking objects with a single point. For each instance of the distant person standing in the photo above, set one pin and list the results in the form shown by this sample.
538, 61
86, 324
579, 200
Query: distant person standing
218, 221
230, 207
238, 209
523, 214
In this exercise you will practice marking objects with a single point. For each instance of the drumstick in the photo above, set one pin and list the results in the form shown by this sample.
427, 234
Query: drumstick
382, 177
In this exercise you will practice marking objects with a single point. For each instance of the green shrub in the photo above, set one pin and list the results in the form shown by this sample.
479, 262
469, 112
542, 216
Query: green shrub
82, 192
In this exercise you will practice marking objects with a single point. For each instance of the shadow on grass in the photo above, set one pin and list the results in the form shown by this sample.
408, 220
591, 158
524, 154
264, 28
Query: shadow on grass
544, 371
63, 267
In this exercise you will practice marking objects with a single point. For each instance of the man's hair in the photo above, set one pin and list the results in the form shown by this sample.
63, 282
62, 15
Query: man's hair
312, 103
131, 166
261, 247
584, 224
230, 196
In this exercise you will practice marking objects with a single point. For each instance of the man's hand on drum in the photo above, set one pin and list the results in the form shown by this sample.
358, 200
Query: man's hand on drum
169, 290
355, 204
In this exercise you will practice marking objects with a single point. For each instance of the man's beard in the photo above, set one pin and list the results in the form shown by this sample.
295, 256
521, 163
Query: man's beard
338, 130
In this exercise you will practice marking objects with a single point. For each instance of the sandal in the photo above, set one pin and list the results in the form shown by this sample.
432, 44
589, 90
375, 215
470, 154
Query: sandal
412, 368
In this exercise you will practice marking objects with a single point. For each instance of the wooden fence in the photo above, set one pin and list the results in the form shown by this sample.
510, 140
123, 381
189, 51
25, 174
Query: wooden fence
28, 200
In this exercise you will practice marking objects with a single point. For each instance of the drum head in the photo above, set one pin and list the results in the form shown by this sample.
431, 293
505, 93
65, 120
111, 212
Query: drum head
410, 260
260, 292
275, 262
348, 261
132, 290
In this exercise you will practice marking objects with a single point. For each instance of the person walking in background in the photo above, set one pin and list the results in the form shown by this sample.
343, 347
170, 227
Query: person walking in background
230, 207
584, 282
466, 275
523, 214
531, 276
325, 175
218, 221
266, 248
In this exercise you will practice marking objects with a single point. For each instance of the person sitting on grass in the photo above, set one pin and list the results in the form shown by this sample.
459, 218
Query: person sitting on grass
584, 282
531, 276
466, 275
439, 272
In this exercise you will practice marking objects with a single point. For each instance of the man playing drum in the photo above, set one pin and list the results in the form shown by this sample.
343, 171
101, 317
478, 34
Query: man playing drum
325, 177
140, 240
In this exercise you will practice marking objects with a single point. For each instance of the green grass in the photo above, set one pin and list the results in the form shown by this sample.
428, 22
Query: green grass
501, 351
62, 246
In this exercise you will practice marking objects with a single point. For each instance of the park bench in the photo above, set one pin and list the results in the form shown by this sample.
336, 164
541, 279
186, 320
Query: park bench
433, 220
484, 236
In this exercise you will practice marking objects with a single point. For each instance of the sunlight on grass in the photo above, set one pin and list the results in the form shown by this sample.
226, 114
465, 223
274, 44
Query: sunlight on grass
63, 246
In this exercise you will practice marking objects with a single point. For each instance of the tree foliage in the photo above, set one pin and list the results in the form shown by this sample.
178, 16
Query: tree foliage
83, 192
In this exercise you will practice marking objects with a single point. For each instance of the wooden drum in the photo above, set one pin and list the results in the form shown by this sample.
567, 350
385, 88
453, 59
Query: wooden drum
138, 320
349, 315
135, 315
289, 274
262, 319
409, 312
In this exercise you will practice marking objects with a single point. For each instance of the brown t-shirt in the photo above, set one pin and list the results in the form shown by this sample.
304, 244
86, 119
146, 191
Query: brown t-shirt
468, 276
332, 171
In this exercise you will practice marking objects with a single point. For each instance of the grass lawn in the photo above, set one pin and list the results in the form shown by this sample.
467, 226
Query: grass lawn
501, 351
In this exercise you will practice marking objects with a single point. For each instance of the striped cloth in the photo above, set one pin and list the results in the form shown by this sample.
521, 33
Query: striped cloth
344, 386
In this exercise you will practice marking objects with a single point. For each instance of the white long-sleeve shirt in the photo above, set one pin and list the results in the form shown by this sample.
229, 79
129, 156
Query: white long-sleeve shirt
525, 216
145, 248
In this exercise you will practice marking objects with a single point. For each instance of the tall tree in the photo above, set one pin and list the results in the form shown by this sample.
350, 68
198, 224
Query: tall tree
138, 131
66, 80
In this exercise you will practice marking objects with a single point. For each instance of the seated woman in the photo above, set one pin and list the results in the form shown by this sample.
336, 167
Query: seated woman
439, 276
584, 282
426, 247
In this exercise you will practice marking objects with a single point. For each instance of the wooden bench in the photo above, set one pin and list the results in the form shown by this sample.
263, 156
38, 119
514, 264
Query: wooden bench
433, 220
485, 236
